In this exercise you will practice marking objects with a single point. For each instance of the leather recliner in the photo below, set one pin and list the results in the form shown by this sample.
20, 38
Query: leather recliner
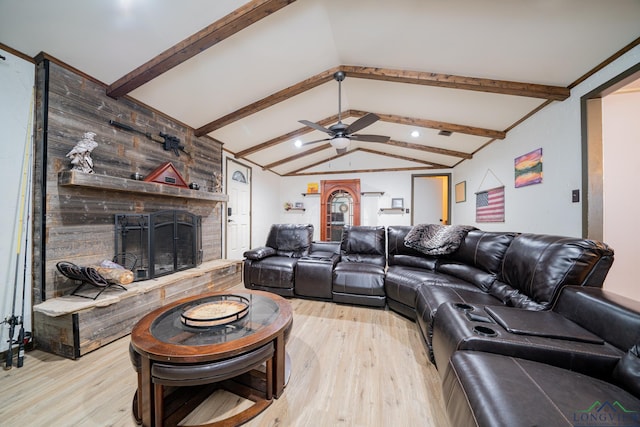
272, 267
555, 384
359, 276
588, 330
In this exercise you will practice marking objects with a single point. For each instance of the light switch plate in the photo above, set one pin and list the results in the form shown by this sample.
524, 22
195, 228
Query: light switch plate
575, 196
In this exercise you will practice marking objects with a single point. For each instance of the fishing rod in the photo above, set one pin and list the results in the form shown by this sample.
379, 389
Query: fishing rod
24, 270
13, 321
26, 176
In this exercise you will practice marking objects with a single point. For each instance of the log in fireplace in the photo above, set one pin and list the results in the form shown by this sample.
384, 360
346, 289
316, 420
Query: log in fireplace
158, 243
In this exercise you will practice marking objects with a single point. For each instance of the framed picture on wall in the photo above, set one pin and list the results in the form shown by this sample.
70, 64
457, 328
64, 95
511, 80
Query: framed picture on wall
397, 203
461, 192
528, 168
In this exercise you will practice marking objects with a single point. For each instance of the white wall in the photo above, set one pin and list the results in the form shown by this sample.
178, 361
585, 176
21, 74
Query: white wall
16, 87
545, 207
266, 207
393, 184
621, 151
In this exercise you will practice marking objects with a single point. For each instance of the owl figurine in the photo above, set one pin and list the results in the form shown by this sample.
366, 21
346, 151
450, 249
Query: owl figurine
80, 155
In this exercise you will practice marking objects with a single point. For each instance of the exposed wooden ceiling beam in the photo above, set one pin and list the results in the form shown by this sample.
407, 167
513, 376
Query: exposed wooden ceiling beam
297, 156
268, 101
367, 150
532, 90
410, 159
426, 162
555, 93
358, 171
429, 149
432, 124
287, 137
222, 29
388, 118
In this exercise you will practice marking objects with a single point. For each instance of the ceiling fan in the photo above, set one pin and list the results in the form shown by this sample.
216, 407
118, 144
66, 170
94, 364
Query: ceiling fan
340, 135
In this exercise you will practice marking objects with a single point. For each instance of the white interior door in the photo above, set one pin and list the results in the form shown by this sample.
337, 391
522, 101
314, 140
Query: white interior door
430, 199
238, 209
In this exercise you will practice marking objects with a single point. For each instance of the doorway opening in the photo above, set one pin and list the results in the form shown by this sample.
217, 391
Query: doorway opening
430, 199
340, 206
610, 131
592, 151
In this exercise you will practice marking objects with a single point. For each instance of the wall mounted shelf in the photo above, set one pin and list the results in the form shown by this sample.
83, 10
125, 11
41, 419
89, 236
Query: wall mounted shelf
372, 193
295, 209
391, 210
103, 182
310, 194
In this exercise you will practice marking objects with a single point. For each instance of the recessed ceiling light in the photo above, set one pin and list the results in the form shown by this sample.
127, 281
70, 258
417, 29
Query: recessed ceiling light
415, 134
298, 143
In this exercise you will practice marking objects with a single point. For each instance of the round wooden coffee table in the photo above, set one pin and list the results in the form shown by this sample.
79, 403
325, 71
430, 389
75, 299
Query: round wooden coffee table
167, 338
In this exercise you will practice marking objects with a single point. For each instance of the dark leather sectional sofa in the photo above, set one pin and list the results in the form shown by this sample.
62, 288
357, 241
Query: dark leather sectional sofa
291, 264
517, 324
525, 271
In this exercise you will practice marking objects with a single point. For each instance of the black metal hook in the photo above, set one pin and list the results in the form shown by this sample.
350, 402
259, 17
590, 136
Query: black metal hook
2, 57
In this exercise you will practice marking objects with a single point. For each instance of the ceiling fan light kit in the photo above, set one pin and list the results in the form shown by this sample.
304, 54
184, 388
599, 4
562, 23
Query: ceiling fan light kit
340, 135
340, 142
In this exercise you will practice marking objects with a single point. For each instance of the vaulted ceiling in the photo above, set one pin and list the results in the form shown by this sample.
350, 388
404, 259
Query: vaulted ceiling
246, 72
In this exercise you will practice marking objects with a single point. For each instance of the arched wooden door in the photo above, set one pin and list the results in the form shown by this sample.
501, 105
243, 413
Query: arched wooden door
339, 206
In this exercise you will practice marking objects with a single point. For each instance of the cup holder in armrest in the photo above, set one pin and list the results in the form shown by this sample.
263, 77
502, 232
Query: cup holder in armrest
484, 331
462, 306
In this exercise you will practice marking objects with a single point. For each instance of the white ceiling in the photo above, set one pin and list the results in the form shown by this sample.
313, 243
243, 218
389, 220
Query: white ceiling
546, 42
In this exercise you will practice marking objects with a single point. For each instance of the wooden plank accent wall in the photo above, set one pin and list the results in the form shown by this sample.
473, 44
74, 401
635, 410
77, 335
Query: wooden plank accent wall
76, 224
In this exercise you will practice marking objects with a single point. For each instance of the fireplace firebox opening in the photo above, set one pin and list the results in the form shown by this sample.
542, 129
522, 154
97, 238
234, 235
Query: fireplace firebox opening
161, 242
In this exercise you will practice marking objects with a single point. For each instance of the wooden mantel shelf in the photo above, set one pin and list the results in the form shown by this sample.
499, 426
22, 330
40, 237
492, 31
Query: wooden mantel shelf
71, 178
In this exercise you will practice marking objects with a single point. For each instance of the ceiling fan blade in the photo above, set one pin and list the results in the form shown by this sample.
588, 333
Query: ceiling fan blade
315, 126
316, 141
362, 122
370, 138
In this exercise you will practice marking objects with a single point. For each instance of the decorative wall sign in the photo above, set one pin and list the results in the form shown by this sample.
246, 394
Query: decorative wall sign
490, 205
528, 168
312, 187
461, 192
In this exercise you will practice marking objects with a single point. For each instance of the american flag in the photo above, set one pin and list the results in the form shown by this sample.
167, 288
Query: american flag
490, 205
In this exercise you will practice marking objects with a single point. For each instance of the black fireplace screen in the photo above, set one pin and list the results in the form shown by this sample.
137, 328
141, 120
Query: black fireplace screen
161, 242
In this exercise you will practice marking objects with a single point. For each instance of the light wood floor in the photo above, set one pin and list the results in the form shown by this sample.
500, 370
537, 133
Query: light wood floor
351, 366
